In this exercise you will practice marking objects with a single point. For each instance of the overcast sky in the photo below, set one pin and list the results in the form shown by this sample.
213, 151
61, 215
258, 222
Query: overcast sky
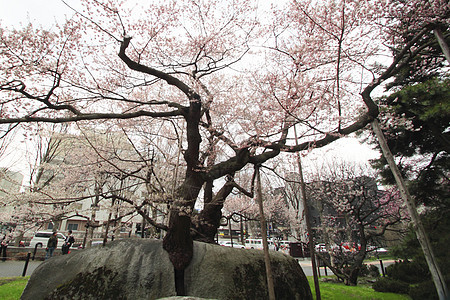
46, 12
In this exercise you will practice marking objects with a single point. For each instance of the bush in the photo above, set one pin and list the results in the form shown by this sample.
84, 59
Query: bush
364, 270
369, 270
374, 271
387, 285
424, 290
409, 272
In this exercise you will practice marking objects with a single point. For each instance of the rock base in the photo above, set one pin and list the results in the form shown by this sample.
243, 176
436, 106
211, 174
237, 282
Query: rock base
141, 269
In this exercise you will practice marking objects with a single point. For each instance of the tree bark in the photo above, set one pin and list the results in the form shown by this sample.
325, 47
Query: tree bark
178, 241
308, 222
209, 219
270, 285
422, 236
442, 43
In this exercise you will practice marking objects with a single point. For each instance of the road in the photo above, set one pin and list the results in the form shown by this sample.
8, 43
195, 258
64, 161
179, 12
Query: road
307, 268
15, 268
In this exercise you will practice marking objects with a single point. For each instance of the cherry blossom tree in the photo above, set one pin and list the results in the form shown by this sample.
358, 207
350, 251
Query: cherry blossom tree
243, 203
356, 207
345, 207
227, 80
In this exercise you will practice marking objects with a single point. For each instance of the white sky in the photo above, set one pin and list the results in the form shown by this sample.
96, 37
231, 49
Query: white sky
46, 12
17, 13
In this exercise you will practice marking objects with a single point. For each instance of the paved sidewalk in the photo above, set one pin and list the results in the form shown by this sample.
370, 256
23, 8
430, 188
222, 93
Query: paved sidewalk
15, 268
307, 266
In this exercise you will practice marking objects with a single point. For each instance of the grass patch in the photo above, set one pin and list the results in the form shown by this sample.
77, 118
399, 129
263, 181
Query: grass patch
380, 256
11, 288
339, 291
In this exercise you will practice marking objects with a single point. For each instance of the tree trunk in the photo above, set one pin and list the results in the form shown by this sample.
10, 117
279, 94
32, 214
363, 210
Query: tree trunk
308, 222
442, 43
91, 221
353, 276
436, 273
264, 237
179, 245
178, 241
209, 219
108, 223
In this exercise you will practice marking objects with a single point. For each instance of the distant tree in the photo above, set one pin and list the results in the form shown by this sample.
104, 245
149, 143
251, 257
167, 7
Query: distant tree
348, 212
276, 210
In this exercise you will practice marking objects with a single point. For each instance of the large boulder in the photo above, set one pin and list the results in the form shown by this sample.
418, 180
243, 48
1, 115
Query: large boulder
141, 269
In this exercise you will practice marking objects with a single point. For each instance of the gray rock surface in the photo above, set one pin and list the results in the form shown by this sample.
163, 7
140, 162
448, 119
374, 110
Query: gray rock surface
141, 269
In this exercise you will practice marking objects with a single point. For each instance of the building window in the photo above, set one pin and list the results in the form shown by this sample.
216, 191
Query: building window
73, 227
50, 226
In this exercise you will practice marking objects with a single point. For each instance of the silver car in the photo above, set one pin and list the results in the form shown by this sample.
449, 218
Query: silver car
40, 239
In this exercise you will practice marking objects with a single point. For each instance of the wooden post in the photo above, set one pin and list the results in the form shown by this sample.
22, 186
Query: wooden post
436, 273
264, 237
441, 40
316, 272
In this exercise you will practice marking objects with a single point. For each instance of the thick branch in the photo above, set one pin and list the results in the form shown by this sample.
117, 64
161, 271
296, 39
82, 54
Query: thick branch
92, 116
159, 74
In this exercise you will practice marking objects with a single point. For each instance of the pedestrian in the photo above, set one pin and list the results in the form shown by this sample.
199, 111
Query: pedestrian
4, 245
51, 245
68, 243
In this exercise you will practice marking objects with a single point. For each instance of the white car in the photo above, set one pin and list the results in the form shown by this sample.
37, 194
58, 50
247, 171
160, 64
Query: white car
381, 250
320, 247
40, 239
234, 245
258, 244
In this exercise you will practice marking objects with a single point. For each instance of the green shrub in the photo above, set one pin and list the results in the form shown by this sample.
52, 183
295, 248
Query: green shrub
409, 272
364, 270
424, 290
369, 270
387, 285
374, 271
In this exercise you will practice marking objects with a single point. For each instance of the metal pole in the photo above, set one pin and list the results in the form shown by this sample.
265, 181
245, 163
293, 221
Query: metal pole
231, 234
382, 268
26, 264
34, 252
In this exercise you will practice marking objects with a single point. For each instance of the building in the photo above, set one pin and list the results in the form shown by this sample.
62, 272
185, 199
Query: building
94, 182
10, 184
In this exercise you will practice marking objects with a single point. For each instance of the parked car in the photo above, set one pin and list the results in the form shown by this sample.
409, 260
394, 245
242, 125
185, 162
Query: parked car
234, 245
258, 244
350, 247
320, 247
40, 239
284, 246
381, 250
96, 243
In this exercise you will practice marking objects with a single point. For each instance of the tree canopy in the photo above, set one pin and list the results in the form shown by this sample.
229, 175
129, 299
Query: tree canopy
228, 80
